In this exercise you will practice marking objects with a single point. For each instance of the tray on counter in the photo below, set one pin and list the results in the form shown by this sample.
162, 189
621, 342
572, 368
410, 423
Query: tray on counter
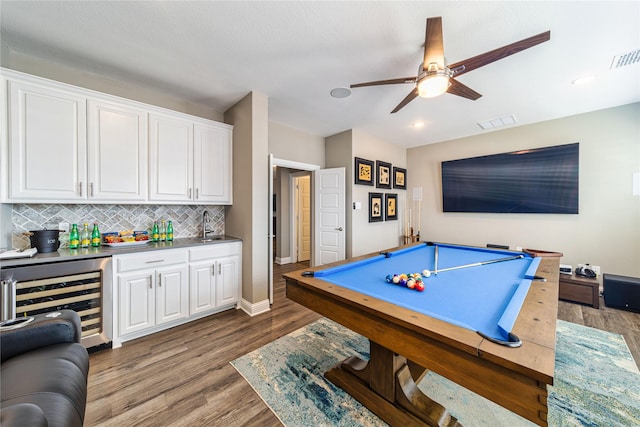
123, 244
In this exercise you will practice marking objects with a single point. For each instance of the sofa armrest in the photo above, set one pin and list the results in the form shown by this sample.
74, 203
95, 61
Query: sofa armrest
23, 414
43, 331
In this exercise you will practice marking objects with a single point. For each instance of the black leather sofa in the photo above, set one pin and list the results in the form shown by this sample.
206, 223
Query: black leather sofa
44, 371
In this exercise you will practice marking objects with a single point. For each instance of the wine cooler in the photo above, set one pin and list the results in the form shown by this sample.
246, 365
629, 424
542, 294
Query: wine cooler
83, 286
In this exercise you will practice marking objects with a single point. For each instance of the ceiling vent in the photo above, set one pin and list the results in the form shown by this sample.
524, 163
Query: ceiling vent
625, 59
498, 122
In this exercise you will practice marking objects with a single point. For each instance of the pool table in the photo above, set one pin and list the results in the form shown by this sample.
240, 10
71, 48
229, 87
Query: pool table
485, 320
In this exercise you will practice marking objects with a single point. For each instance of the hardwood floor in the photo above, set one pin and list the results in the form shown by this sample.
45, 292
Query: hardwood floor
182, 377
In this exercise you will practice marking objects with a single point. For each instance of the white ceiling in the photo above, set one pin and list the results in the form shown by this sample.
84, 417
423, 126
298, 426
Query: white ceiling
213, 53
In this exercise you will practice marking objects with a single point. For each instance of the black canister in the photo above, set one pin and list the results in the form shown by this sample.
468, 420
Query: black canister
45, 240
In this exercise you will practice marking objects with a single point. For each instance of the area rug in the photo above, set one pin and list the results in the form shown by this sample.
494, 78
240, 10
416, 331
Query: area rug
597, 382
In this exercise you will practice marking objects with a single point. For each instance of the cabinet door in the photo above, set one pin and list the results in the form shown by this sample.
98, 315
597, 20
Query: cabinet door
212, 163
171, 158
228, 280
47, 143
117, 152
202, 287
136, 302
172, 293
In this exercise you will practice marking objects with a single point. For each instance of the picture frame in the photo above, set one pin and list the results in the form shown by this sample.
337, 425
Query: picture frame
391, 207
399, 178
383, 174
364, 171
376, 207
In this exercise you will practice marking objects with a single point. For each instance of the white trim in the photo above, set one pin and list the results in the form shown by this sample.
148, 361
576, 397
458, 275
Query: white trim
255, 309
285, 260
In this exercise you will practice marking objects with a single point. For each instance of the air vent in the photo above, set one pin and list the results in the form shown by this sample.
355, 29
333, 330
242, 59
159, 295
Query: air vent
626, 59
498, 122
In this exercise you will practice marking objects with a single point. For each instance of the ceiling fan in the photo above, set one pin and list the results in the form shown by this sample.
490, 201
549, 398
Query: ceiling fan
435, 77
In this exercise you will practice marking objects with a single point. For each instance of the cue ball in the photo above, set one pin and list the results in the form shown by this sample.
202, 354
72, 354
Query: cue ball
426, 273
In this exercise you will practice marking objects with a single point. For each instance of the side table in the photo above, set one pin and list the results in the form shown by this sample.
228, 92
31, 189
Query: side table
584, 290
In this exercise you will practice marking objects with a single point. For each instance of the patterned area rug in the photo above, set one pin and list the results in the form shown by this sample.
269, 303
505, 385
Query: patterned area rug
597, 382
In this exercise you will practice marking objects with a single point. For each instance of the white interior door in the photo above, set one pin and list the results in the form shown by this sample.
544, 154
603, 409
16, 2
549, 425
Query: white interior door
329, 214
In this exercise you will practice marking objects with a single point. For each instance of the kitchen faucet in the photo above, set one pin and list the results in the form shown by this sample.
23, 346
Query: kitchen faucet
205, 221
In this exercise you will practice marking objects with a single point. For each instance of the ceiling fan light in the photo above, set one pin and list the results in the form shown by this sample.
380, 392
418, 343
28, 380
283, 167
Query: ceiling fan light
433, 85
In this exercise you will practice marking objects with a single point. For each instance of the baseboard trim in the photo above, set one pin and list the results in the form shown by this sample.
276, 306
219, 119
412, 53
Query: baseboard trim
285, 260
253, 309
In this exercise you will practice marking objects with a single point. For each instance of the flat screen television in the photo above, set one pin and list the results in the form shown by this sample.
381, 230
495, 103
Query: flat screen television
540, 180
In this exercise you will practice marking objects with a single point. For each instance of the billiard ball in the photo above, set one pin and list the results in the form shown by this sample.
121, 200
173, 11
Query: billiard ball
420, 286
395, 279
426, 273
411, 283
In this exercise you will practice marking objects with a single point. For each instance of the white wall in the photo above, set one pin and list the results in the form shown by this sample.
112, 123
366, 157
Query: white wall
248, 217
291, 144
150, 94
373, 236
606, 232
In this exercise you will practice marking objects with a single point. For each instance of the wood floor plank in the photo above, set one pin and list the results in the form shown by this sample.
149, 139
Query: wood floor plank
182, 376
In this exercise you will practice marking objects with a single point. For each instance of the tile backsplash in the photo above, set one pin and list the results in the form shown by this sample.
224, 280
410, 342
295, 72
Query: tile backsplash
187, 219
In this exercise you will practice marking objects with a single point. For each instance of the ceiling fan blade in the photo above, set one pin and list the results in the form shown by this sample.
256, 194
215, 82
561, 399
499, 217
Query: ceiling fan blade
386, 82
412, 95
462, 90
433, 44
483, 59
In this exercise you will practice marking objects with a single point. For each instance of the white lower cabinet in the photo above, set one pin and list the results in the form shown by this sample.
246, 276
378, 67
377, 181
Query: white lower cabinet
152, 290
214, 274
159, 289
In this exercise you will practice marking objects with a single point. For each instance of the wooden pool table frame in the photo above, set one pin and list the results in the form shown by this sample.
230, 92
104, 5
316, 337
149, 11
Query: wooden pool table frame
406, 344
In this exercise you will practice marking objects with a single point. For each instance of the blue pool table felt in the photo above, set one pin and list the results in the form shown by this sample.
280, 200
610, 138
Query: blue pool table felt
485, 298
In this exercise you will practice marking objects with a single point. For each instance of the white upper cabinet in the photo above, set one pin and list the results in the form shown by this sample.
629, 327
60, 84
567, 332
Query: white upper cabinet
47, 143
71, 145
212, 163
117, 152
171, 158
190, 161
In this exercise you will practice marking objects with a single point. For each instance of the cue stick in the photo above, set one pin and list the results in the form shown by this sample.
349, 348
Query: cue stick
435, 262
477, 264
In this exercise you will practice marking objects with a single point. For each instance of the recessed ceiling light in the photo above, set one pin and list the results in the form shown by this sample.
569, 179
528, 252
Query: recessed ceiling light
340, 92
417, 125
583, 80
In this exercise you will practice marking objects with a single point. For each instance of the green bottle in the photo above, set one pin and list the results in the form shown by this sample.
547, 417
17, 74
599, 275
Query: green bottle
155, 233
169, 231
163, 231
85, 240
95, 236
74, 237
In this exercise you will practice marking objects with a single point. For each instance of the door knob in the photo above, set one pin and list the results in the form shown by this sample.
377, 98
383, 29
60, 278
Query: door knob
339, 228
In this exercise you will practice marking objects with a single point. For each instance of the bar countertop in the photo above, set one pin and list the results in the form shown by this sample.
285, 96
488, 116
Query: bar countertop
66, 254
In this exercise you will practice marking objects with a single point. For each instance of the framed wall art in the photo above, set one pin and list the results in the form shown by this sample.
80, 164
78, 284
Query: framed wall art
391, 207
399, 178
383, 173
376, 207
364, 171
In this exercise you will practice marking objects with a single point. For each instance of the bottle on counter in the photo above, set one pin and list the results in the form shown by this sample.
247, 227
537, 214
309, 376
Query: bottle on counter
169, 231
85, 239
163, 231
95, 236
155, 232
74, 237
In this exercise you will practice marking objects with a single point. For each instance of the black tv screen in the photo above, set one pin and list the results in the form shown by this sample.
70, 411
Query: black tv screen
541, 180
